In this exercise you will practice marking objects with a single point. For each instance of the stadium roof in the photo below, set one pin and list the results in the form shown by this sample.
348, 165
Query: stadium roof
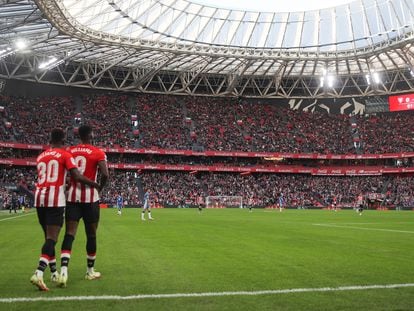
272, 5
355, 25
191, 47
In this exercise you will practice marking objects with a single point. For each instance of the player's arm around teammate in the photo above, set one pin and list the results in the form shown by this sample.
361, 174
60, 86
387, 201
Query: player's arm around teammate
52, 166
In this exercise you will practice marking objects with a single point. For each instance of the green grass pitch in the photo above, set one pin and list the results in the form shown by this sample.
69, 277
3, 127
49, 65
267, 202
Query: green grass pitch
220, 251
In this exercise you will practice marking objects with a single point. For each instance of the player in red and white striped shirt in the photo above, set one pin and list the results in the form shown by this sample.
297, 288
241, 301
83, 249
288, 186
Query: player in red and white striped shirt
50, 201
83, 202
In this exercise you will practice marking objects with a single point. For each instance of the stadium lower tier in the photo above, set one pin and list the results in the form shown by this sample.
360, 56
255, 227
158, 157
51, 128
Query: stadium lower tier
258, 190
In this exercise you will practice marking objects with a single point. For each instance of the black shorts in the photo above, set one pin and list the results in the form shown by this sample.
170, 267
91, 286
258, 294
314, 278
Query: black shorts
50, 216
88, 211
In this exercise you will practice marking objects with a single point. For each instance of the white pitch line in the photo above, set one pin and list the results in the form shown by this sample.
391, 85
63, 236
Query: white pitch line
360, 228
8, 218
372, 223
208, 294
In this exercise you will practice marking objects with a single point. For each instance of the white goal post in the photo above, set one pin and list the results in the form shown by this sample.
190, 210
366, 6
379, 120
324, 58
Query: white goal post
222, 201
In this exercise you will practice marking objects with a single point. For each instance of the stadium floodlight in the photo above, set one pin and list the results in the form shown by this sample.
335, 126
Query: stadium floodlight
331, 80
368, 78
52, 62
20, 45
322, 81
376, 78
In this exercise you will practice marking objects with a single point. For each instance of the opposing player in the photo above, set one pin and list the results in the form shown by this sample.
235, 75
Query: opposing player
119, 203
83, 202
147, 205
281, 202
50, 201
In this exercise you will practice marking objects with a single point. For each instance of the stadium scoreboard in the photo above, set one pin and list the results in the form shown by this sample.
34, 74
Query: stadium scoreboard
401, 102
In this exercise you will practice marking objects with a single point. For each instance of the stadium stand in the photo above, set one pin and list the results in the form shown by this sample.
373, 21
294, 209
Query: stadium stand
387, 132
109, 116
205, 124
169, 122
183, 189
24, 123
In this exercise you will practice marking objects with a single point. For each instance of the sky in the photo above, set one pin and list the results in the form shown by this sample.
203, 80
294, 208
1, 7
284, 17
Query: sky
273, 5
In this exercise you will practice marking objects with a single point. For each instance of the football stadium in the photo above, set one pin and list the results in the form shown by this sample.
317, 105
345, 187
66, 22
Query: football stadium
207, 155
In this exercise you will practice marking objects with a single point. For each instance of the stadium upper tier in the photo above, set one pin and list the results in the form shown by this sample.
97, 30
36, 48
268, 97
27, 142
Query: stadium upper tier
202, 123
179, 46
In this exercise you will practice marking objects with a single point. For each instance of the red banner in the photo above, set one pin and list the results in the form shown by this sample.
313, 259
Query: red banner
18, 162
231, 153
282, 169
401, 102
22, 146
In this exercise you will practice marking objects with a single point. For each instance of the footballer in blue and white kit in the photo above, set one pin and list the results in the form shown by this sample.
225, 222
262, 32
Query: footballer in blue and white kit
147, 205
119, 203
281, 202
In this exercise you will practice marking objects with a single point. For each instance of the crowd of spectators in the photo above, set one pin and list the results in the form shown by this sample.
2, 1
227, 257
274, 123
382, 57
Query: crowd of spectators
260, 189
188, 160
174, 122
222, 125
5, 198
265, 162
161, 122
124, 184
15, 180
215, 124
31, 120
204, 123
10, 153
110, 117
185, 189
387, 132
6, 134
14, 176
401, 192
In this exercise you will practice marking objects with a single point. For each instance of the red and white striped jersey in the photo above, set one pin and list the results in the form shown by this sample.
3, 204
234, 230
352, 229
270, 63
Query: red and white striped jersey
52, 166
86, 158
